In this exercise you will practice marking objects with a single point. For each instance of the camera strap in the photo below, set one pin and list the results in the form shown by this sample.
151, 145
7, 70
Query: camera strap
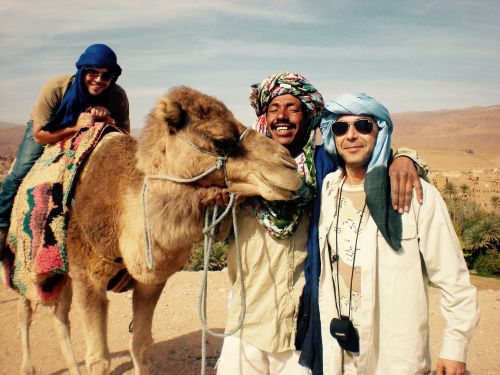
336, 258
342, 328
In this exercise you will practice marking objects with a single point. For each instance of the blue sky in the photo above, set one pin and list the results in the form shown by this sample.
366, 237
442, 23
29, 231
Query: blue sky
410, 55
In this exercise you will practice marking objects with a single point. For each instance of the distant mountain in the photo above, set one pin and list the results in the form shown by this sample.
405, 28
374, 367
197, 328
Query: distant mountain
459, 139
10, 138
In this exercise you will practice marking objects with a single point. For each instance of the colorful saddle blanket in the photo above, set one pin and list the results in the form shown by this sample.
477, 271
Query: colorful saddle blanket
37, 235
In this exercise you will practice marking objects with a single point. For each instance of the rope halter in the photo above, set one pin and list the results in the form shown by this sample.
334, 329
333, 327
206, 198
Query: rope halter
220, 163
209, 234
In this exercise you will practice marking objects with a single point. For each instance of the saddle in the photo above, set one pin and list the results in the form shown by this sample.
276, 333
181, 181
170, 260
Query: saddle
36, 265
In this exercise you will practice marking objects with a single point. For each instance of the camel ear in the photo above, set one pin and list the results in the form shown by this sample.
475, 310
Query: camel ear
171, 113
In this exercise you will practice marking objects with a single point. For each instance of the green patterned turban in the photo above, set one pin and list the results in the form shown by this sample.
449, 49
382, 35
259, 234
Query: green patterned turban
261, 95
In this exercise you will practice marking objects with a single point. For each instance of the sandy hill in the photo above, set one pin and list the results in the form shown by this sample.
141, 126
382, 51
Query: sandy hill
10, 138
460, 139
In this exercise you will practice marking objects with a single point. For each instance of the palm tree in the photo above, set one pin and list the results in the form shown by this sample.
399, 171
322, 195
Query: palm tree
450, 193
465, 190
450, 189
482, 237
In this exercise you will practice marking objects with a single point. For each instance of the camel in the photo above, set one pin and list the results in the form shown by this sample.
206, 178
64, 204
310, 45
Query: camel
106, 224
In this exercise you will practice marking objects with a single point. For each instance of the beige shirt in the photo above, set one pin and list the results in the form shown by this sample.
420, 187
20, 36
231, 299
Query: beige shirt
394, 329
53, 91
273, 277
353, 216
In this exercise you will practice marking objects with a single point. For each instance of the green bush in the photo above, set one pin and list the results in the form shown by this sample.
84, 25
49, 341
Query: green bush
217, 261
470, 257
488, 264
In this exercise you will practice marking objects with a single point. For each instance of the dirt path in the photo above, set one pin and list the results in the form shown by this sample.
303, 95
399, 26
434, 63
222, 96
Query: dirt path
177, 331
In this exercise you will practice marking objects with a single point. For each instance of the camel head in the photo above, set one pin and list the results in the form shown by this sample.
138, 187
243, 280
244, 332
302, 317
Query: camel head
187, 130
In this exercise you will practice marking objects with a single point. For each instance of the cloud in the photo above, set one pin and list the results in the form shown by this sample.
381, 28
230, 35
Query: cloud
408, 52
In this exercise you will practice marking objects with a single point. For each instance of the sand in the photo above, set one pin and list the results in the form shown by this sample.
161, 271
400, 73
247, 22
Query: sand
177, 330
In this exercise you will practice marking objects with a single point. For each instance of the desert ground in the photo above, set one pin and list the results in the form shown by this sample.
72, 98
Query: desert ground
177, 330
459, 140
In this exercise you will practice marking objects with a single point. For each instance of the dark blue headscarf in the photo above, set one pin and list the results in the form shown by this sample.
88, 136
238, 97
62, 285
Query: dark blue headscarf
77, 97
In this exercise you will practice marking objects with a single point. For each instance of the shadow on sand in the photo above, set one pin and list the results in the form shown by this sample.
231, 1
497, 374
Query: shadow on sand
178, 356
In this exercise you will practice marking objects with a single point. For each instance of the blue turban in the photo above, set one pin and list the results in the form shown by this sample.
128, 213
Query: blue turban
77, 97
376, 185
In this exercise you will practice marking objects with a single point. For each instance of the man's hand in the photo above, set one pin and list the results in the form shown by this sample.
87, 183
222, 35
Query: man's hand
85, 120
404, 179
221, 199
99, 112
450, 367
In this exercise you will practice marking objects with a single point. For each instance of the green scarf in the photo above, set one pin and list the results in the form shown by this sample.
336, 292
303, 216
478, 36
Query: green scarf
281, 218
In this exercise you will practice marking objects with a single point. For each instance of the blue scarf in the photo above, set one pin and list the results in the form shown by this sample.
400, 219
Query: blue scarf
77, 98
308, 338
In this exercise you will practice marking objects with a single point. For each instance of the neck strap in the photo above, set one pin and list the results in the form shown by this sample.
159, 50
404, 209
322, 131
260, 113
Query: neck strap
336, 258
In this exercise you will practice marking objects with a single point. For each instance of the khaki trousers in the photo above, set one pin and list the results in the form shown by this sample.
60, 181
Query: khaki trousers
240, 358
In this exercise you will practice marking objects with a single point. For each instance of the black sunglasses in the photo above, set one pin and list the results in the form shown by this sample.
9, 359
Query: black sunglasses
93, 74
363, 126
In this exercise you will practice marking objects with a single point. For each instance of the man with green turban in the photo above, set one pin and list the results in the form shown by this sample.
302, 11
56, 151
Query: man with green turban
273, 236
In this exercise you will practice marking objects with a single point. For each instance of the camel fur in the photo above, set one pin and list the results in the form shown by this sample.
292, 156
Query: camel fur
106, 226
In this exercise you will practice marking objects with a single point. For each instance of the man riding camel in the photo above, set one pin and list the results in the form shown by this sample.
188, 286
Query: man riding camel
65, 105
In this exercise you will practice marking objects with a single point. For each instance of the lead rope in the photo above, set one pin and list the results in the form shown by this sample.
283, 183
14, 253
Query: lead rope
209, 233
219, 163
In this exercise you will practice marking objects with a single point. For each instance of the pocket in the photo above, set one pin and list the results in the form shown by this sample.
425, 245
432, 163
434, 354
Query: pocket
405, 257
409, 231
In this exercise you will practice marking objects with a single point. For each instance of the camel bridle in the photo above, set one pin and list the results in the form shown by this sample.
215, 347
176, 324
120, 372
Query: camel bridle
212, 219
220, 163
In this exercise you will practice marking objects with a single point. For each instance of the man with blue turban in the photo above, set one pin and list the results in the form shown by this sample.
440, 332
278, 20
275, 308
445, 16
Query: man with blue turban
375, 263
273, 236
65, 105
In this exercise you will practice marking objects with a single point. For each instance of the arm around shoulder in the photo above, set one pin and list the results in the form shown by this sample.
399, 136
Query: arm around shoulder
420, 164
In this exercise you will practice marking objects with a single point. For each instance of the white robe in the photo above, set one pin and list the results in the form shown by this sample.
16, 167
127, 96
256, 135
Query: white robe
394, 334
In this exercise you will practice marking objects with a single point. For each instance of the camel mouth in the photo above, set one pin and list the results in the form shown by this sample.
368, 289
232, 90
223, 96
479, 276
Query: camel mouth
271, 187
278, 188
289, 181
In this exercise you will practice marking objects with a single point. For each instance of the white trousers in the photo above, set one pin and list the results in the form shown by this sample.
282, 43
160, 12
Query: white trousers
240, 358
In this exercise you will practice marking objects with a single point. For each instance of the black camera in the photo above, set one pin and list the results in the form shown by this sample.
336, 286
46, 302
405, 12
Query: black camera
343, 330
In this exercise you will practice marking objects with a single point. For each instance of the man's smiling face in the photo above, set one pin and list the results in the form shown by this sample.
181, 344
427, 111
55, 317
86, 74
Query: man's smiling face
355, 147
285, 122
97, 80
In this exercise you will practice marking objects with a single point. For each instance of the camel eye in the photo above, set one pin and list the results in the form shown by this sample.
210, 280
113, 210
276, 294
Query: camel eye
227, 147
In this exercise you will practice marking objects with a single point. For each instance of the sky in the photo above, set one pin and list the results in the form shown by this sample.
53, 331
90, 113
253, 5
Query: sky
410, 55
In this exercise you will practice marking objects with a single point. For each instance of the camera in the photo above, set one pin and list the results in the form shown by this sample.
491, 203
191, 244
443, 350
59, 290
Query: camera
344, 332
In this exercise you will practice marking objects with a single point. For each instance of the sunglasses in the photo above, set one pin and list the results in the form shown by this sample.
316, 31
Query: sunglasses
93, 74
362, 126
